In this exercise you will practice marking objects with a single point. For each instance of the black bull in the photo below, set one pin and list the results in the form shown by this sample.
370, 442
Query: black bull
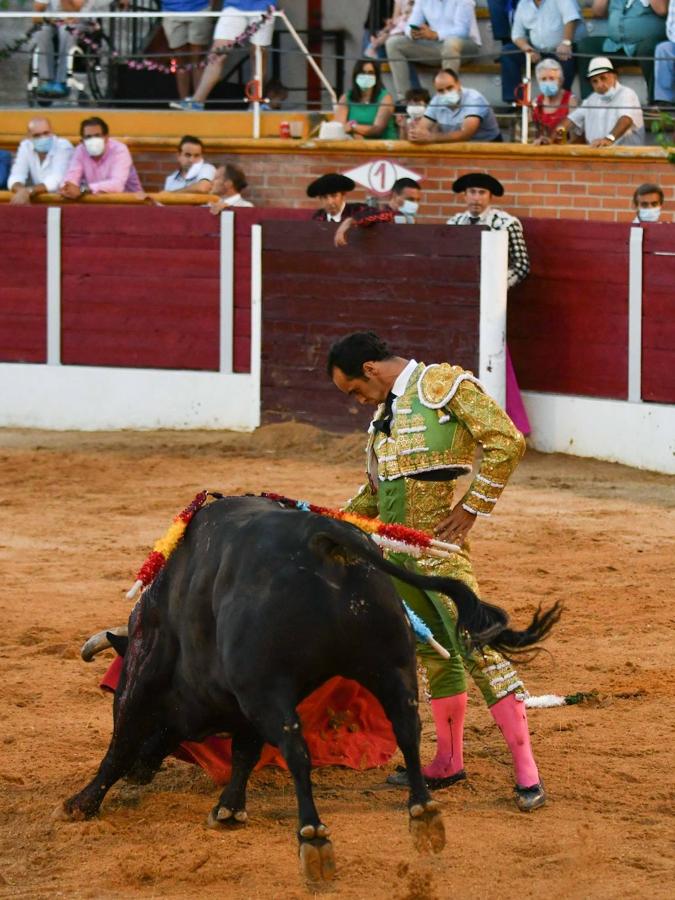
257, 607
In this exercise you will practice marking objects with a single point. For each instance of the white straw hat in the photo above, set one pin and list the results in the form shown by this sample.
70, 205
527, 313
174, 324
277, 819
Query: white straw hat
599, 65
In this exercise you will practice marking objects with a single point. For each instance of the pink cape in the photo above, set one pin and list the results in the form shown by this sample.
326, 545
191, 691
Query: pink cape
514, 402
343, 724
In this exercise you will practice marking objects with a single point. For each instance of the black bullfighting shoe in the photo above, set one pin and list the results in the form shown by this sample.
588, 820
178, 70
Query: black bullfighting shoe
530, 798
399, 778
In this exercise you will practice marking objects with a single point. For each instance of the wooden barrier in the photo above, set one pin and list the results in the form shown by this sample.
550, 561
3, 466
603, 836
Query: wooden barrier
418, 287
658, 314
23, 266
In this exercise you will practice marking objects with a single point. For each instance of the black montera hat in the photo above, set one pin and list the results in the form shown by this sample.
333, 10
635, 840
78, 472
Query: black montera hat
330, 183
479, 180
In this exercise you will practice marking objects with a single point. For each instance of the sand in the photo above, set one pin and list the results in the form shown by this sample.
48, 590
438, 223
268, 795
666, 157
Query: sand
79, 512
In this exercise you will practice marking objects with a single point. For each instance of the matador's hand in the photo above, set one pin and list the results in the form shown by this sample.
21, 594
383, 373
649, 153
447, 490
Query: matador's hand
456, 526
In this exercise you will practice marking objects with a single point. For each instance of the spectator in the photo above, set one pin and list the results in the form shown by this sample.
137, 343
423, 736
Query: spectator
479, 190
394, 25
611, 115
41, 162
553, 104
455, 114
402, 208
193, 175
236, 17
542, 28
439, 32
332, 190
100, 164
276, 95
56, 39
5, 166
664, 64
635, 27
367, 110
188, 38
229, 182
416, 102
648, 203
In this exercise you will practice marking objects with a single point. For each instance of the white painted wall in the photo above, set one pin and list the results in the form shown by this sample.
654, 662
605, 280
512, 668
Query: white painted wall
88, 398
635, 434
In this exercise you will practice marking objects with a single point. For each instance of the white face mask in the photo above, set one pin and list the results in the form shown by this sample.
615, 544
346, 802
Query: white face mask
610, 93
409, 208
450, 98
94, 146
193, 171
365, 80
415, 111
649, 214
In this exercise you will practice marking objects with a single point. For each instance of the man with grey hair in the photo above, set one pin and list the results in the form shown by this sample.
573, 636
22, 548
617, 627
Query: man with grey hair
41, 162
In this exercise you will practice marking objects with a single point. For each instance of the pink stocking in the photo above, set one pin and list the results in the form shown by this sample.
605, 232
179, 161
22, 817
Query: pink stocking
511, 716
448, 715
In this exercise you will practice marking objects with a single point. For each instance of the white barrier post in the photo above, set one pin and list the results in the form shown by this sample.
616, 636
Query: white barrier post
54, 286
635, 316
256, 312
493, 288
226, 291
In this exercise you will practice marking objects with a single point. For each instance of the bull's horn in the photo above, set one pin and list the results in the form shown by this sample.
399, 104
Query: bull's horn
98, 642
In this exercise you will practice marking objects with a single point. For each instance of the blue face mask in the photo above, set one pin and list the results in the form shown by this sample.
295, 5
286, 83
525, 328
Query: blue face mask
43, 144
365, 80
549, 88
449, 98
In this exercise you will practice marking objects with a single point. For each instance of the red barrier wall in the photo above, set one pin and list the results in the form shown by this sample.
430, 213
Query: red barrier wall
658, 314
568, 322
417, 287
23, 284
140, 287
243, 219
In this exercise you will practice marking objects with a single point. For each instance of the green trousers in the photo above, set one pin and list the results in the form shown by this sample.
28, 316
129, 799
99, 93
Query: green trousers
493, 674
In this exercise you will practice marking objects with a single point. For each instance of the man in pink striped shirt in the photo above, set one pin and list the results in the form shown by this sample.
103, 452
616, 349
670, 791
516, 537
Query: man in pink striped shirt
100, 164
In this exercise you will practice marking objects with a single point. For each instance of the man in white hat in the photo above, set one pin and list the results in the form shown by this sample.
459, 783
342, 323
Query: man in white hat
611, 115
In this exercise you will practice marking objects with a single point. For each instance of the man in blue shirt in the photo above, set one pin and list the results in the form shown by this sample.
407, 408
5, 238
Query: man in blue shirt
438, 33
237, 17
187, 37
542, 28
455, 114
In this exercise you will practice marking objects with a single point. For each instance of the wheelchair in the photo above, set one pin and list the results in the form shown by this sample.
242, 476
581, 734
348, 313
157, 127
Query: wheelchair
89, 72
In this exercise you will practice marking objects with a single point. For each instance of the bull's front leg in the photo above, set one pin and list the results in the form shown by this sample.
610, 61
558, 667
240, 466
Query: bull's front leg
230, 810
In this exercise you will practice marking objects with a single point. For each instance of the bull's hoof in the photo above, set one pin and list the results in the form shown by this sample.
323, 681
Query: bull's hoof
317, 859
426, 827
72, 811
222, 817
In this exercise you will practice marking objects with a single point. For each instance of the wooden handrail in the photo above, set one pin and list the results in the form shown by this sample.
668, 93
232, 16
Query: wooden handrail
163, 198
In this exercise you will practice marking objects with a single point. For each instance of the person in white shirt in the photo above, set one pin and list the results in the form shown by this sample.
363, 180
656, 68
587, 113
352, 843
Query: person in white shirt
40, 164
611, 115
229, 182
439, 33
194, 175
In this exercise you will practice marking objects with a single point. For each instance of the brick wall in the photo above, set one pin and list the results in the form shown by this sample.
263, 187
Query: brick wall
538, 181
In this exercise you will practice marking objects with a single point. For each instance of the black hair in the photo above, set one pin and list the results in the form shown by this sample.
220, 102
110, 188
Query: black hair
351, 352
94, 120
449, 72
236, 176
420, 94
275, 86
356, 94
648, 188
402, 183
190, 139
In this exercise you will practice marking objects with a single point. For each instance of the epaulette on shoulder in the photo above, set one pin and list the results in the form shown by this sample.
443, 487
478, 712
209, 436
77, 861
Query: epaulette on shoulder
439, 382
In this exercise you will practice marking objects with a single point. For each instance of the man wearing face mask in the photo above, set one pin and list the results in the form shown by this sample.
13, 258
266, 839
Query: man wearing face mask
402, 208
648, 203
41, 162
611, 115
100, 164
194, 175
455, 114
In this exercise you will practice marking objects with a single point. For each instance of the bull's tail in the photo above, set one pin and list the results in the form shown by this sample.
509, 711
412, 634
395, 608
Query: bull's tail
484, 622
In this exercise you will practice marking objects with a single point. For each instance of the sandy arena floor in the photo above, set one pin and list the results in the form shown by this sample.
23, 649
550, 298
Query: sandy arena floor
78, 515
